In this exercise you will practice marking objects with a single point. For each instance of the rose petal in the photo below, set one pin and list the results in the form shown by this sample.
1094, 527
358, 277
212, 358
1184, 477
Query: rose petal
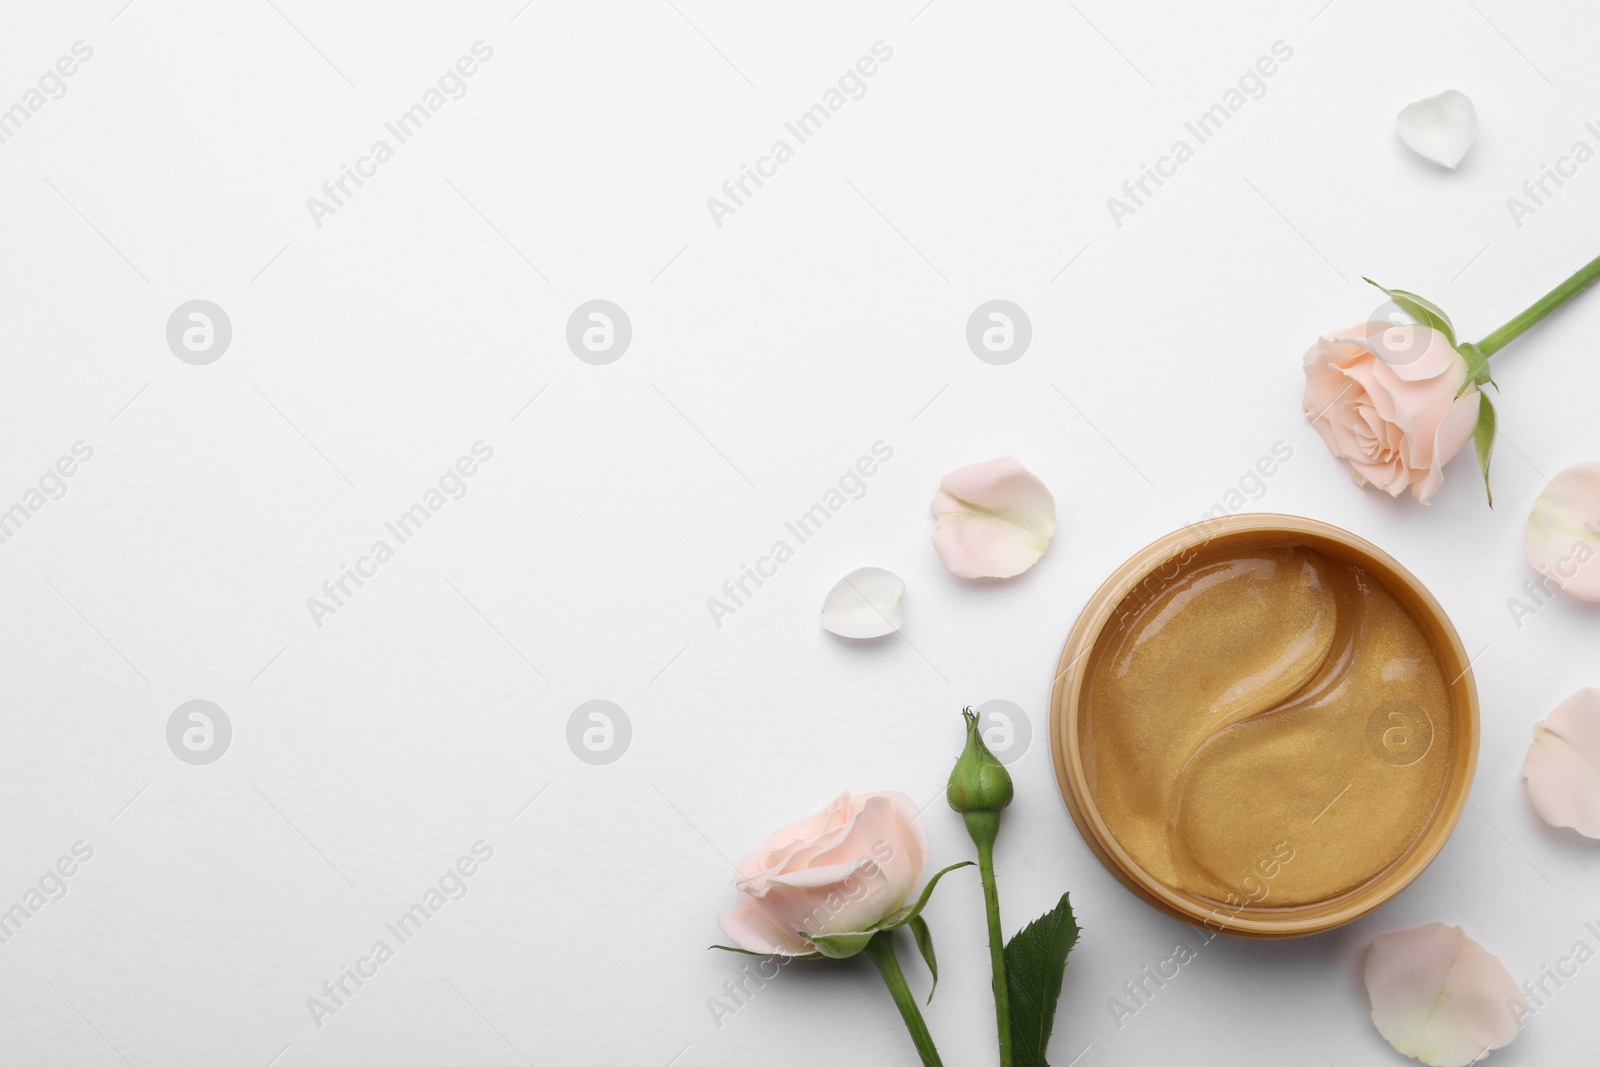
793, 847
1438, 996
1563, 764
1322, 390
1411, 396
777, 849
748, 927
1439, 128
995, 519
912, 827
1563, 539
815, 877
1341, 348
1414, 352
1452, 435
1438, 358
865, 603
859, 875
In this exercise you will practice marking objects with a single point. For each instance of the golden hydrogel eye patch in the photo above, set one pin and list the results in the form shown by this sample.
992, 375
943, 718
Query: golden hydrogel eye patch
1218, 642
1265, 726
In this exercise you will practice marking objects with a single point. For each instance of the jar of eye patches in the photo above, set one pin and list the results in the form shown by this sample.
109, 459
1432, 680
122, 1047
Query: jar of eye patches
1264, 724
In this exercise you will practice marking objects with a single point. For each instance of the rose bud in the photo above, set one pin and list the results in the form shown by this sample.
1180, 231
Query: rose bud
979, 783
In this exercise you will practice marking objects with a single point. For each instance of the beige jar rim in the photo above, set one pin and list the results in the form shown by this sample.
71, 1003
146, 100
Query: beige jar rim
1066, 705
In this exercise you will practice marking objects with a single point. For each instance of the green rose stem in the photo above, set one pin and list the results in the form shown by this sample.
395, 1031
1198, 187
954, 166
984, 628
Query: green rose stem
979, 788
1552, 300
881, 949
984, 826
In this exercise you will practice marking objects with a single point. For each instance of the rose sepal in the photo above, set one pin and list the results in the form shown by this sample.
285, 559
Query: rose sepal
843, 946
1477, 367
1483, 440
1420, 308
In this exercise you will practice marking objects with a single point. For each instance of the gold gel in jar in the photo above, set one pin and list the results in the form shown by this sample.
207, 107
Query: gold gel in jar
1264, 724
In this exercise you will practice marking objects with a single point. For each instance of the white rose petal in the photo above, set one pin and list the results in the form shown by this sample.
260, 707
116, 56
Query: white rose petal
1438, 996
1563, 764
1439, 128
1563, 539
865, 603
995, 519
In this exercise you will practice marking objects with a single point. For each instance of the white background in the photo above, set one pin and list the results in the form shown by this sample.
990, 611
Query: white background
768, 354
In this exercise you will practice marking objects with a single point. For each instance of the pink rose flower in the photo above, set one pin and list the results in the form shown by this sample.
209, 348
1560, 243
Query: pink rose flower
1384, 399
839, 871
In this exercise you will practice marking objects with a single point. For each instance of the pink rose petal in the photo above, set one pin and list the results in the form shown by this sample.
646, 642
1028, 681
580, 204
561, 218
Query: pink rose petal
748, 927
1563, 764
1455, 429
1438, 996
1563, 539
839, 871
1384, 398
995, 519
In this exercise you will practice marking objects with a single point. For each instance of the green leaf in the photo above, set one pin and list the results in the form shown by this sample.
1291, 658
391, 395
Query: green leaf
1036, 961
843, 946
1483, 440
924, 936
1422, 309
